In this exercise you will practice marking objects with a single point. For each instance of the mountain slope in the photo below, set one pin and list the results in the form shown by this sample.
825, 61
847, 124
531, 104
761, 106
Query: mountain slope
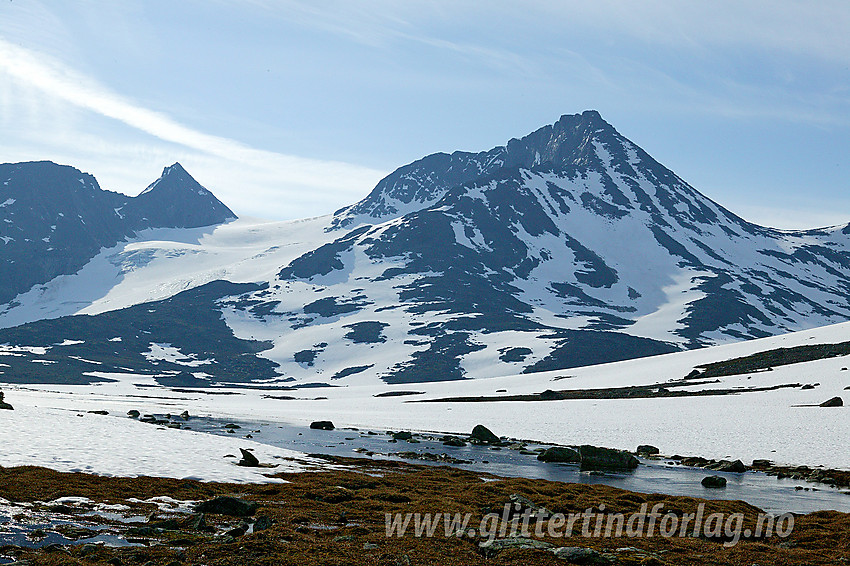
56, 218
568, 247
572, 246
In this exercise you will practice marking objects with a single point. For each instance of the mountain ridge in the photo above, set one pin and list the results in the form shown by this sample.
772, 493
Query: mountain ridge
56, 218
566, 247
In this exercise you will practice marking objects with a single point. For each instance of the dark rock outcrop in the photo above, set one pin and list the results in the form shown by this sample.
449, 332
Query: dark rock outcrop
560, 454
714, 482
596, 458
248, 460
322, 425
225, 505
834, 402
647, 450
481, 433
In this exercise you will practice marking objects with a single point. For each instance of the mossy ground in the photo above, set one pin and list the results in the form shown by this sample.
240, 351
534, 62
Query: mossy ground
313, 510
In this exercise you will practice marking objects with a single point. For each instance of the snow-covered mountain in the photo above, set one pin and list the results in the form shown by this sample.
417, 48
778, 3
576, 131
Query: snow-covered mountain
568, 247
57, 218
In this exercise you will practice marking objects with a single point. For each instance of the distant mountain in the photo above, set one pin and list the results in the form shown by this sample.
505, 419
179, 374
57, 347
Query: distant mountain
570, 246
56, 218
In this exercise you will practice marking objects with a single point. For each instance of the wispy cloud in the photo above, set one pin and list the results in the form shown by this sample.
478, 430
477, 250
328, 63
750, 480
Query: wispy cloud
58, 81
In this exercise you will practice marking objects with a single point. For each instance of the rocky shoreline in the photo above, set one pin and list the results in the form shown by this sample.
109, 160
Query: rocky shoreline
604, 458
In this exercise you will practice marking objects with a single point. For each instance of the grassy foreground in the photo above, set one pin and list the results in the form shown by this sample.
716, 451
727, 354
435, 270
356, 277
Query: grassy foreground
338, 518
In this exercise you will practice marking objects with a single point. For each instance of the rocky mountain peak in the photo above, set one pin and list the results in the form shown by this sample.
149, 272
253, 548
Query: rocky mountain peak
177, 200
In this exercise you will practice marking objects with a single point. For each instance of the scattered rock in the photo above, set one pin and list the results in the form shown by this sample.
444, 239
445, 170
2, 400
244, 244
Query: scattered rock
596, 458
834, 402
403, 435
101, 412
727, 466
263, 523
559, 454
453, 441
527, 505
369, 546
4, 405
714, 482
492, 547
225, 505
133, 414
647, 450
577, 555
761, 463
232, 426
248, 460
483, 434
322, 425
184, 415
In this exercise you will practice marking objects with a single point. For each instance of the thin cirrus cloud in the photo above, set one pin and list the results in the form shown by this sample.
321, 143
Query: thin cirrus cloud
58, 81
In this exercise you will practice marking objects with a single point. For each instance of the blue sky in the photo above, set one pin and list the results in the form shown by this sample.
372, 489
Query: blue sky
288, 109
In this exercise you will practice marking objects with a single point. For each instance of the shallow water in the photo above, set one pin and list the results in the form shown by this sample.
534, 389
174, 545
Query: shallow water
653, 476
20, 523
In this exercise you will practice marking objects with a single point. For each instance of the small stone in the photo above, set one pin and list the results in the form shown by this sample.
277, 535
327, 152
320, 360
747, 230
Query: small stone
133, 414
714, 482
263, 523
577, 555
492, 547
248, 460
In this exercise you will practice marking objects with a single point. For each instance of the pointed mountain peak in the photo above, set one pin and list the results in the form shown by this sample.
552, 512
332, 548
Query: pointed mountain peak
573, 143
175, 178
180, 201
175, 169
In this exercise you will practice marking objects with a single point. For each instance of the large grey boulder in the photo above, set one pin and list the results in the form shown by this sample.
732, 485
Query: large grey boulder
714, 482
596, 458
483, 434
